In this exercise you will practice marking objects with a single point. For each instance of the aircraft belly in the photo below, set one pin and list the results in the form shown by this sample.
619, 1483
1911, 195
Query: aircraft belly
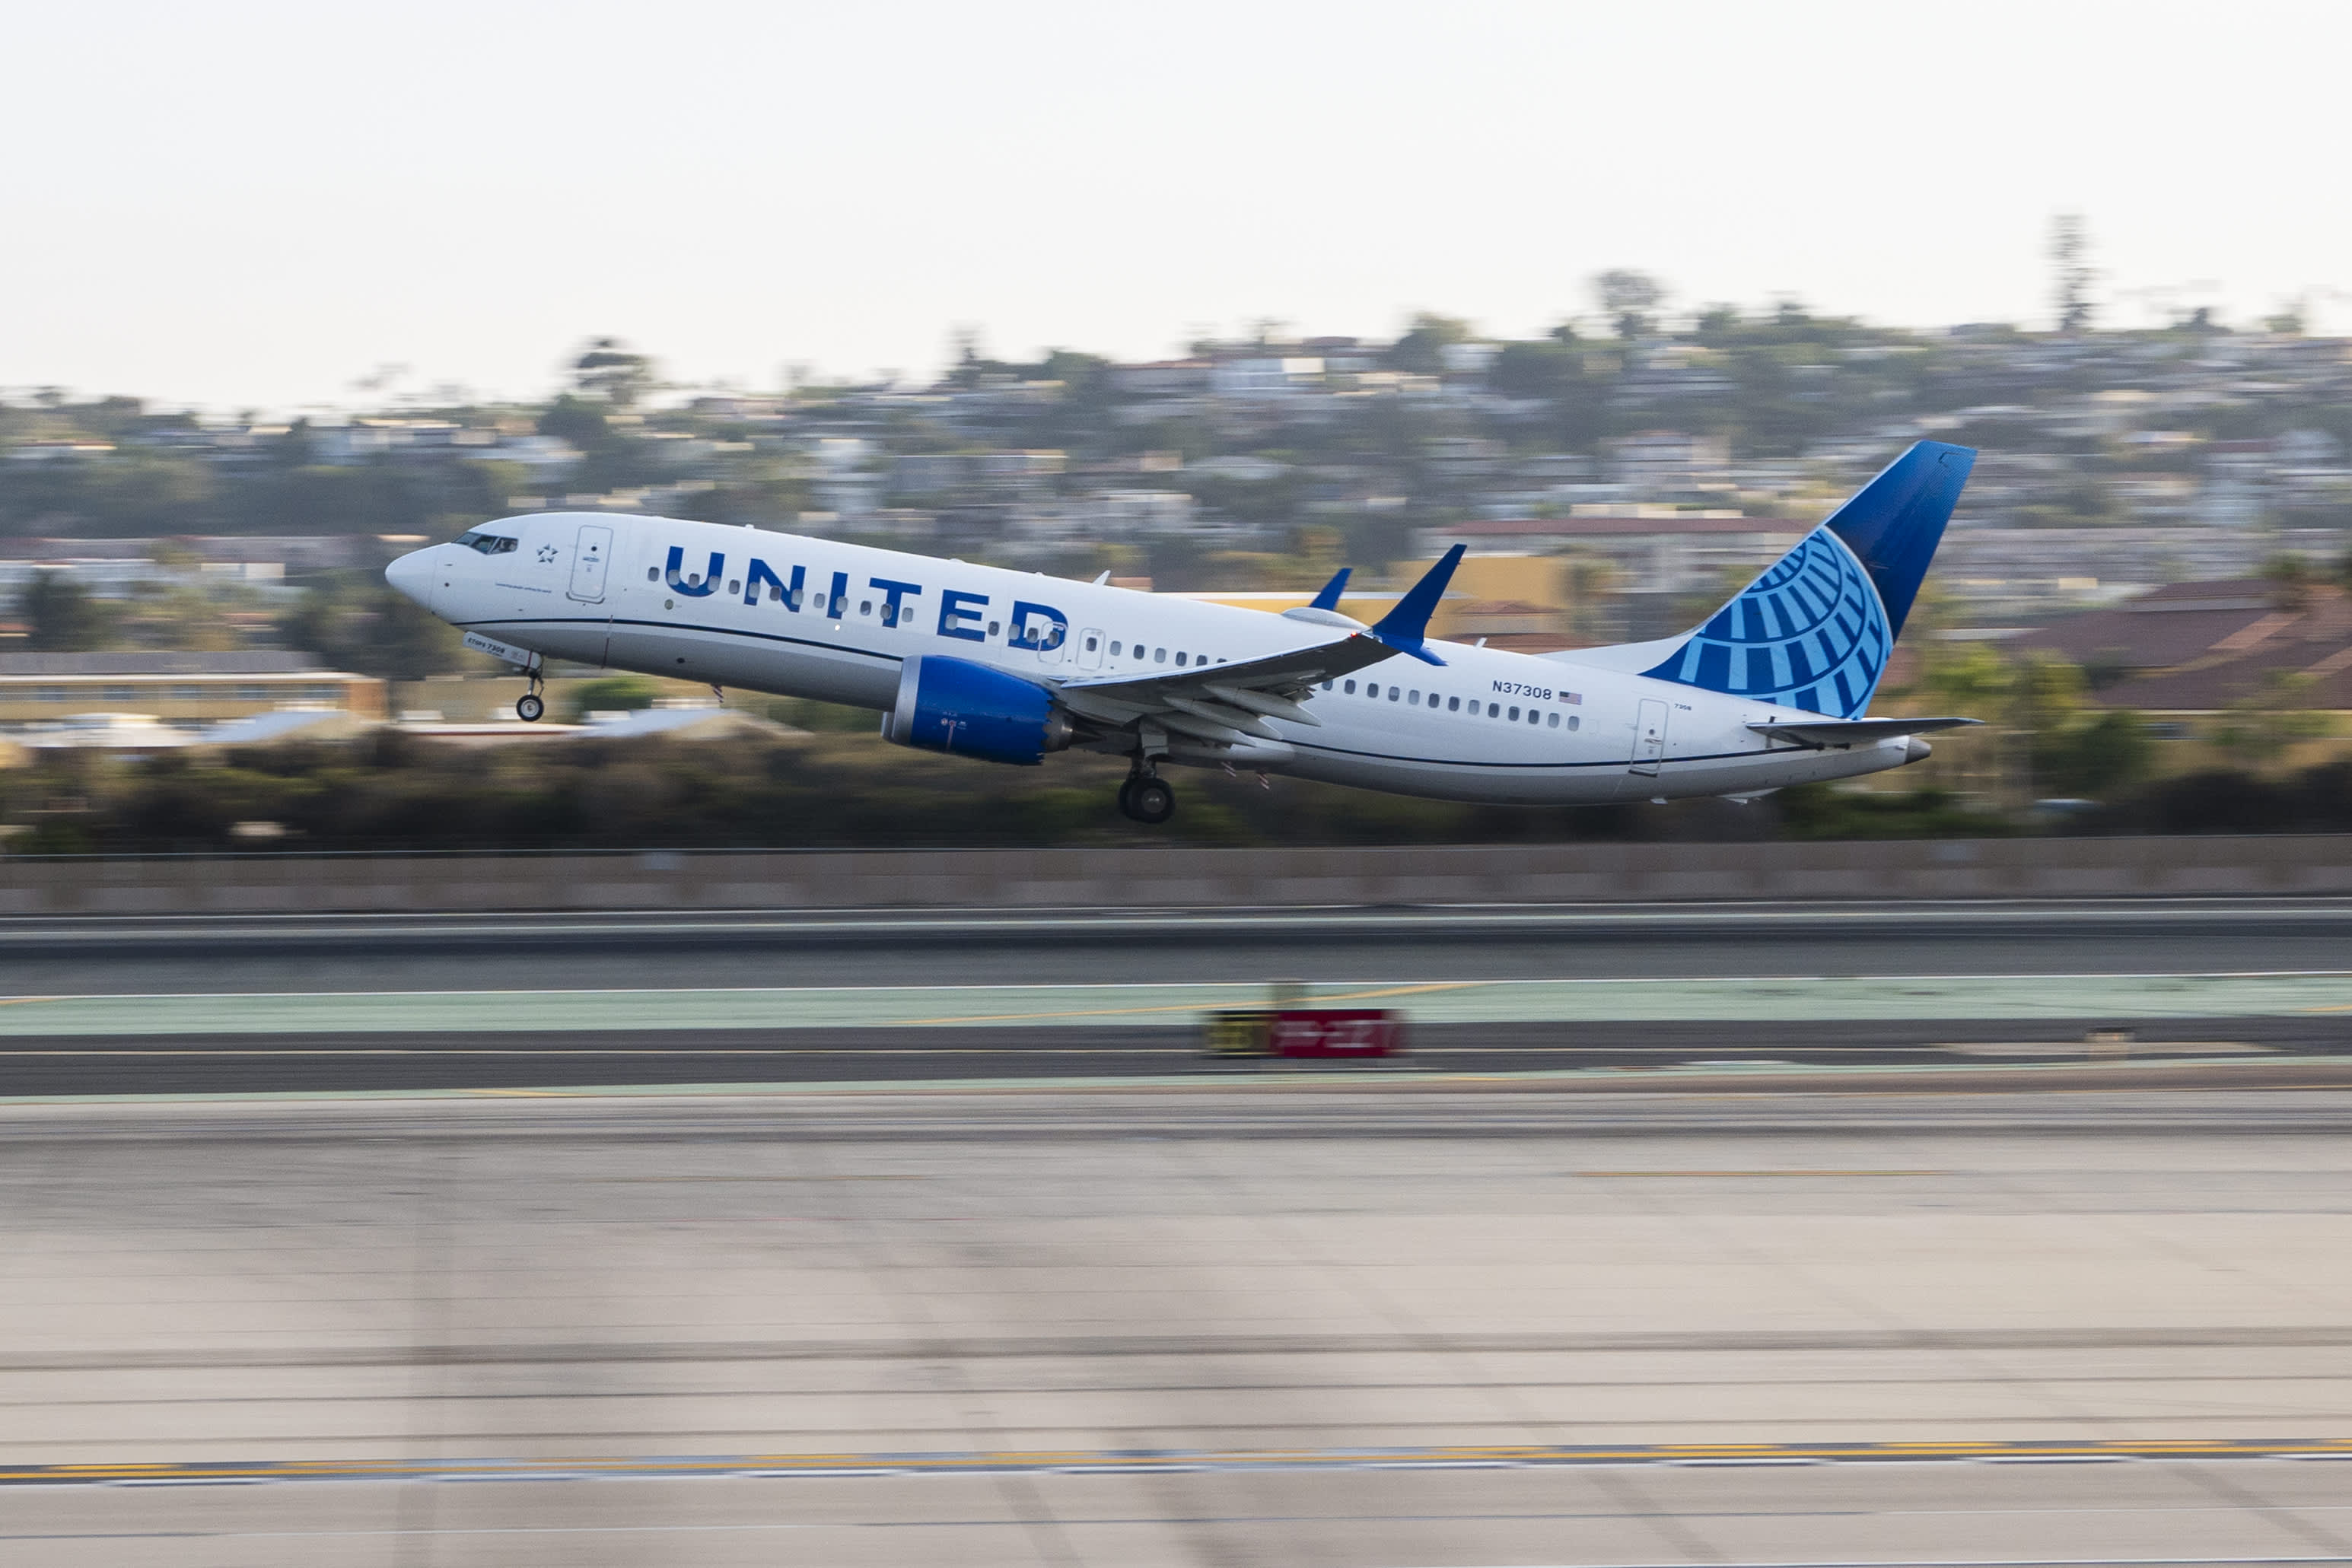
1587, 782
580, 641
1466, 781
788, 669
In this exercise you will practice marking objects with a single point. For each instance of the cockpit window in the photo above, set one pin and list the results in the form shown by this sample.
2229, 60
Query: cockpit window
489, 544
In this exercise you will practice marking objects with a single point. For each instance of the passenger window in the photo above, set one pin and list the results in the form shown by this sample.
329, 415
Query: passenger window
1515, 715
652, 574
865, 606
1493, 710
734, 588
1551, 720
992, 627
1114, 649
694, 580
1327, 685
1180, 659
775, 591
1159, 655
1413, 698
1573, 721
1090, 645
1394, 692
1533, 717
1453, 705
1351, 688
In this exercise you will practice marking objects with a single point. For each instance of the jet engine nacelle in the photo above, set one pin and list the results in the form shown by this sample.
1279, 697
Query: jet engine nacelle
956, 705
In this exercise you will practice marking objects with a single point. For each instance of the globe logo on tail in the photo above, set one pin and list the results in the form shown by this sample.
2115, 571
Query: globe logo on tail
1810, 633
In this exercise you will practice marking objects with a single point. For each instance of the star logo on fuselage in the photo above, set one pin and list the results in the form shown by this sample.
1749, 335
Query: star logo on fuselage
548, 553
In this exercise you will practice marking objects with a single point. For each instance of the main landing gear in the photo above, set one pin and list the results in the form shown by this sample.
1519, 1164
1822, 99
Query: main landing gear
1146, 797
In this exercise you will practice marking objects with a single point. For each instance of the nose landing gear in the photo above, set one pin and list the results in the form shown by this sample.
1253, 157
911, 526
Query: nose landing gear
529, 706
1146, 797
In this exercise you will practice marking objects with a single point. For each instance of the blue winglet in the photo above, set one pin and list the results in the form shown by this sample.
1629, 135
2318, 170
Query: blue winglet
1404, 627
1330, 597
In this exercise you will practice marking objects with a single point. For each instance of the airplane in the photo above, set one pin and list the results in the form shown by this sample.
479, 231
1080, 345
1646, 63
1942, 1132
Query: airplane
1773, 689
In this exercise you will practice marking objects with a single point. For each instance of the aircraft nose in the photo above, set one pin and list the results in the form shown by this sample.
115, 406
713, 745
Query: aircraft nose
412, 574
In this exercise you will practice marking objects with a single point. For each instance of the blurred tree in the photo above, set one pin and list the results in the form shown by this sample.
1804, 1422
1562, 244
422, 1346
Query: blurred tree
612, 693
1968, 680
60, 617
2111, 753
2069, 256
2261, 728
1420, 352
2291, 580
1556, 369
611, 373
1592, 589
574, 420
1540, 368
356, 621
1630, 300
2045, 694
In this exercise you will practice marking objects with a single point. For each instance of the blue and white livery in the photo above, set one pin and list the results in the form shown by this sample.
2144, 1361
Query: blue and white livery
1773, 689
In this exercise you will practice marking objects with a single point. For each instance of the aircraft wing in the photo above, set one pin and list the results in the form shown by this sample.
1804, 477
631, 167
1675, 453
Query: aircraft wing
1230, 696
1823, 732
1300, 667
1228, 703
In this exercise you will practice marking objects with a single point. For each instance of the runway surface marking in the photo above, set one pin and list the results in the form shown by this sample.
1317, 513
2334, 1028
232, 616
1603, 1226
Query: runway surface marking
1717, 1081
1149, 1460
1810, 998
1424, 988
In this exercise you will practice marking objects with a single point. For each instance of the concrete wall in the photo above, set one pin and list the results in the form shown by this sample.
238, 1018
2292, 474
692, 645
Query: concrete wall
1147, 877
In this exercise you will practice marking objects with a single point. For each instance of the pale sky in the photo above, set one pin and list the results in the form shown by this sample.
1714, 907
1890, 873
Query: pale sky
246, 204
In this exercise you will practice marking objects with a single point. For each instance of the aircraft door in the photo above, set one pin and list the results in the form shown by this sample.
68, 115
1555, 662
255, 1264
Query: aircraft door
1044, 632
1090, 648
590, 557
1649, 738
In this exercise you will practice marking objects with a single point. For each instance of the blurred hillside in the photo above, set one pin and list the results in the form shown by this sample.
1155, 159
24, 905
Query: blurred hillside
2141, 586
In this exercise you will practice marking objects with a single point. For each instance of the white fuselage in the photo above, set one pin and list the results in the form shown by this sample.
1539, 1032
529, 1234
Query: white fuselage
1488, 725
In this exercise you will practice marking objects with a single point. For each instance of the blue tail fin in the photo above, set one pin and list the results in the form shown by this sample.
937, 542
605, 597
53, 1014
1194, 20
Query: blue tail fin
1815, 630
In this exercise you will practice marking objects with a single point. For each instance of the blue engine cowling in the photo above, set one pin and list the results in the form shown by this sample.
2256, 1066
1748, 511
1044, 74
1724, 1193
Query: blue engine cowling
956, 705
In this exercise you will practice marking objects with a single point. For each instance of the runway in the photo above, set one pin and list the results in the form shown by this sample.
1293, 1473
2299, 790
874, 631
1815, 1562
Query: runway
1516, 1321
330, 1003
89, 954
1685, 1235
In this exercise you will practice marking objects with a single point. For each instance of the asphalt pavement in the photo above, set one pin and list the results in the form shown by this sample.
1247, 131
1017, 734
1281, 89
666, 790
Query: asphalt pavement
1403, 1323
320, 1003
424, 951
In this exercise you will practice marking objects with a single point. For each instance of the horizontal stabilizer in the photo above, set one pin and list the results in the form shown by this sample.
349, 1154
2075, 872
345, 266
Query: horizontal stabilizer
1854, 731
